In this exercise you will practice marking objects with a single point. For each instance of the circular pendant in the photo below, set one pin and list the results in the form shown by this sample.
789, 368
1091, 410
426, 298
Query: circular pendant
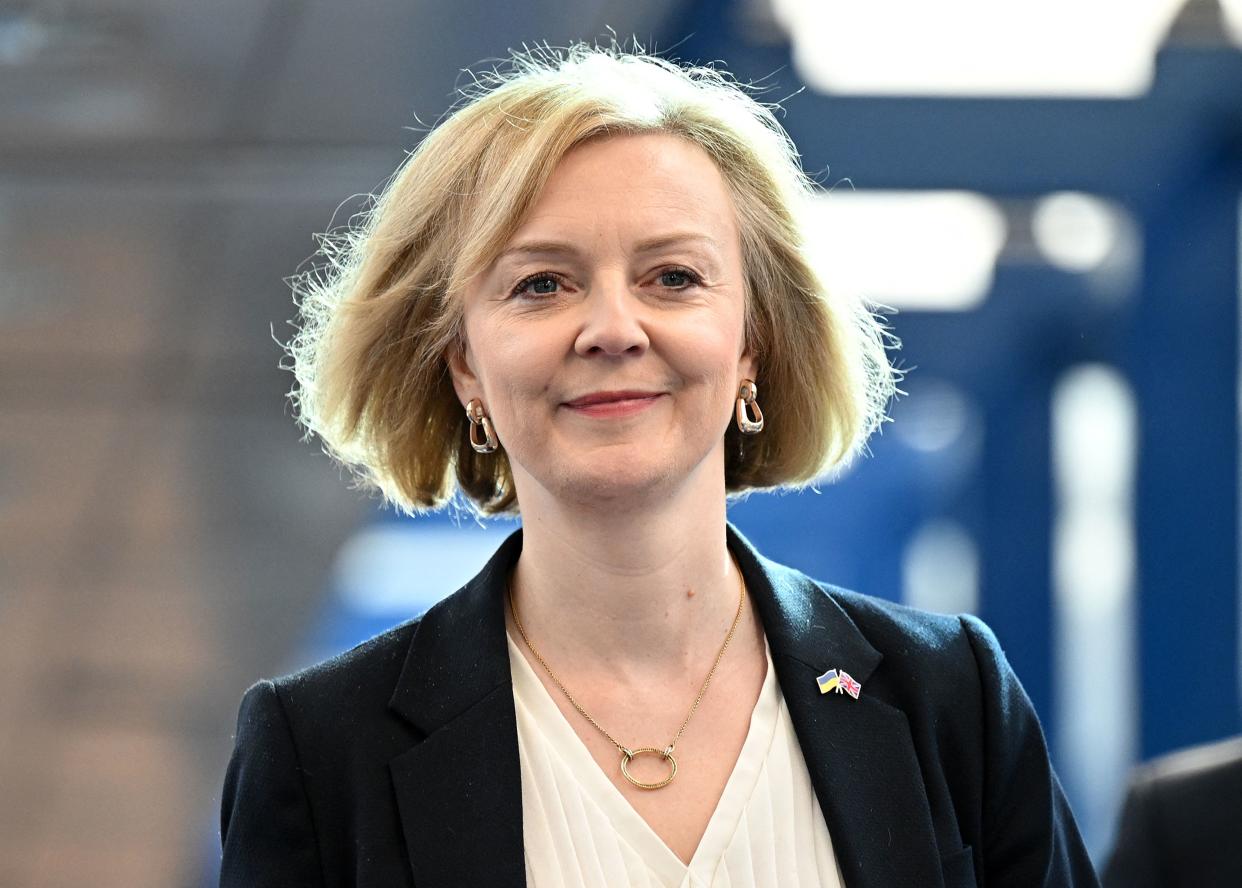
627, 755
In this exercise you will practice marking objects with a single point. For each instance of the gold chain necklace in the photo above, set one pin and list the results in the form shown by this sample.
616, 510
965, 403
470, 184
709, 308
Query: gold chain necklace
627, 754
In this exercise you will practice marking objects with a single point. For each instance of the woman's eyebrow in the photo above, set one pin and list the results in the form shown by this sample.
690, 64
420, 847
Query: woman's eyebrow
649, 245
538, 248
676, 239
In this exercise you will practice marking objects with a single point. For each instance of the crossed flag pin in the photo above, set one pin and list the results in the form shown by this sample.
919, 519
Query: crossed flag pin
840, 681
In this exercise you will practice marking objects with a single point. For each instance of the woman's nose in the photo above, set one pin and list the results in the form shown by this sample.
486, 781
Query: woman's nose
613, 323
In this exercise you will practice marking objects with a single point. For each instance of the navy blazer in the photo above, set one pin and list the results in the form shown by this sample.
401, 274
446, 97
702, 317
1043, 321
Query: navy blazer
396, 764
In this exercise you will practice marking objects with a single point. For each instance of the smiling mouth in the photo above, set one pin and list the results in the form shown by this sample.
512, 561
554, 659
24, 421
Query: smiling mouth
611, 397
613, 404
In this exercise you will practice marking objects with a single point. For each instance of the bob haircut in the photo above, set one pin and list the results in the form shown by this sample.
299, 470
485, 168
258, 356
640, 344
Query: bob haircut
381, 311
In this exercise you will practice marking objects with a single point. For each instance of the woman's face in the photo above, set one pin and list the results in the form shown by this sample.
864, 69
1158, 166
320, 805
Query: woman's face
606, 341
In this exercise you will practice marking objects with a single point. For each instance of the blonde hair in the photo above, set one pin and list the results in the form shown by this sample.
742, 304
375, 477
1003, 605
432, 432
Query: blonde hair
381, 312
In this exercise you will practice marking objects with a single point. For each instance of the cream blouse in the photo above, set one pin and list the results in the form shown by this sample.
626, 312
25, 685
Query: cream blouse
767, 830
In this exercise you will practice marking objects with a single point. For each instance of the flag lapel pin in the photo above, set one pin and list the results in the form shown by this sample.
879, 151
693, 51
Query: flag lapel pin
840, 681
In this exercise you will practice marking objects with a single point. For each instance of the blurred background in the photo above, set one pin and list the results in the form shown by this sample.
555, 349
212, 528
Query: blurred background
1045, 194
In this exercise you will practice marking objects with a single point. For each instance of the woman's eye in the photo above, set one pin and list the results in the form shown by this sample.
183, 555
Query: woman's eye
677, 278
537, 285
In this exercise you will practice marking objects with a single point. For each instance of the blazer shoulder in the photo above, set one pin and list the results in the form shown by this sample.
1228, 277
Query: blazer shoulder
943, 670
897, 630
307, 787
360, 678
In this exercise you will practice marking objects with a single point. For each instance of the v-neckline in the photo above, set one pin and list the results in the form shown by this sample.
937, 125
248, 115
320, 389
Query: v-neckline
530, 691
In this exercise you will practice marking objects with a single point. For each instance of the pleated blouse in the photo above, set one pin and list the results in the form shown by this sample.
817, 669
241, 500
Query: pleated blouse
580, 832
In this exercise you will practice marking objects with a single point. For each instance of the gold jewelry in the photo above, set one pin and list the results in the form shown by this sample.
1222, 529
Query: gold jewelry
478, 420
746, 394
627, 754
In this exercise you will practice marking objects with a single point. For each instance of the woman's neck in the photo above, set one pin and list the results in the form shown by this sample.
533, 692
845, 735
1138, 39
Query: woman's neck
639, 594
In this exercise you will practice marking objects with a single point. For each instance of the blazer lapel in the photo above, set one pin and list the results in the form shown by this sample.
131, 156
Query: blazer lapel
859, 753
459, 791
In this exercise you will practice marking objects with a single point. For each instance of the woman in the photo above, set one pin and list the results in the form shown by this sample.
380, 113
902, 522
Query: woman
573, 299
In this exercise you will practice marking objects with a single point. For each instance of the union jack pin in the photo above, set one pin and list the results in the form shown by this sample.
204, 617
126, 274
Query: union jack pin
840, 681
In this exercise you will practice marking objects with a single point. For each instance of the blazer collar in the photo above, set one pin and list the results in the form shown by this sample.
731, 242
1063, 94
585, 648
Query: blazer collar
458, 654
459, 790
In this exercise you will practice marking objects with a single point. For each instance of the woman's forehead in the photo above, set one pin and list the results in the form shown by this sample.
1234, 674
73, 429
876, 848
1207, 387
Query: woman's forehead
651, 189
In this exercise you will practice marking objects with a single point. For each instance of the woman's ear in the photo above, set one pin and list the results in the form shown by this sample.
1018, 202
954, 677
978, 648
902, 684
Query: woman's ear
748, 366
465, 381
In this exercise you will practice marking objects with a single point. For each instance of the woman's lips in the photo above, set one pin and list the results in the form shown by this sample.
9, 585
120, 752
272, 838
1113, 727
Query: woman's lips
613, 404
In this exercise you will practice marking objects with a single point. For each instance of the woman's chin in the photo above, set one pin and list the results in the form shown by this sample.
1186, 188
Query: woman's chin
641, 471
614, 480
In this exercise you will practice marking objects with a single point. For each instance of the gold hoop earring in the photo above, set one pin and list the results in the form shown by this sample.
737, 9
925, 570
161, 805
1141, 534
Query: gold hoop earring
478, 420
746, 394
